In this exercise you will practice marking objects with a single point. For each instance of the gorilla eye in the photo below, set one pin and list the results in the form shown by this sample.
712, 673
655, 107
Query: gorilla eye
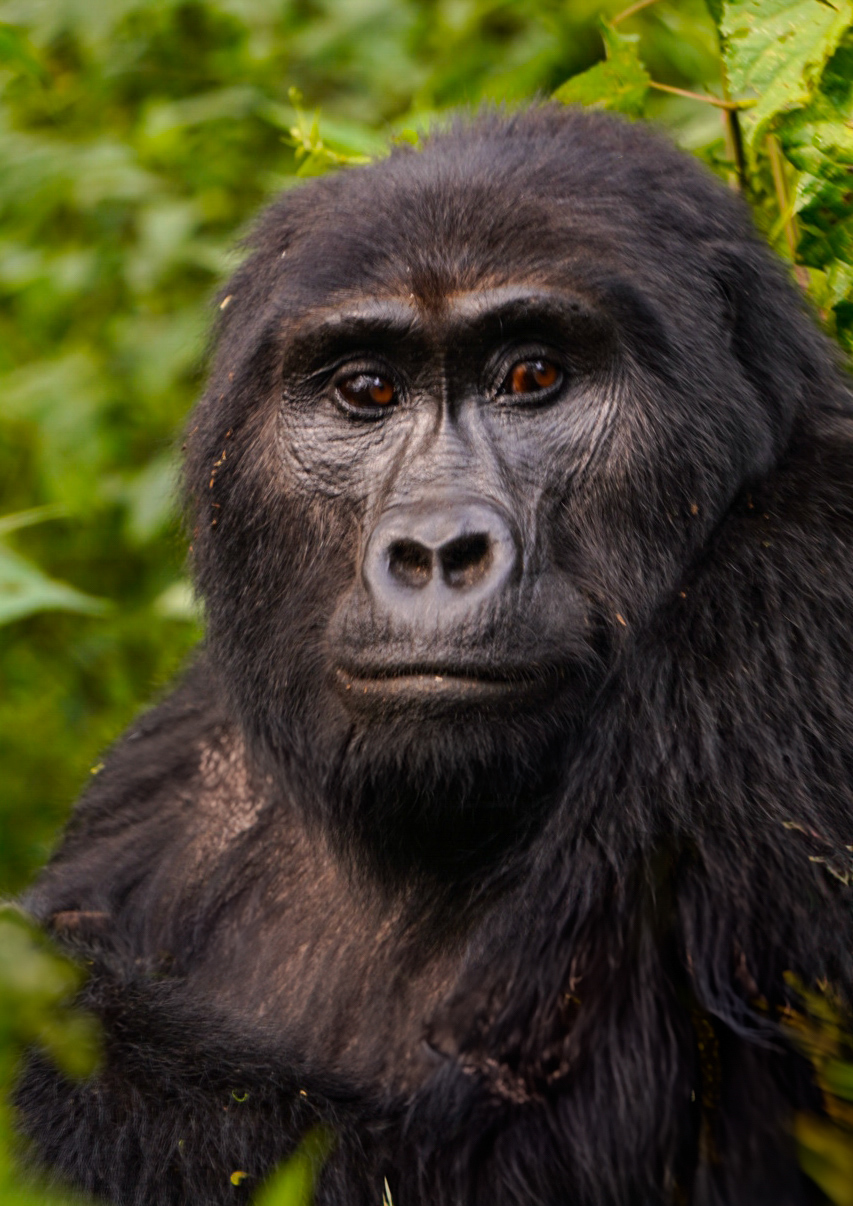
367, 391
530, 377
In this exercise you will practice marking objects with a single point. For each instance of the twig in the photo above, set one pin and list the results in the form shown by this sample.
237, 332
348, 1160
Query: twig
734, 134
629, 12
735, 140
732, 106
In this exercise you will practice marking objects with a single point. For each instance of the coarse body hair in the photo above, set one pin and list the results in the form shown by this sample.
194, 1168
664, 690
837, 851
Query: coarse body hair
533, 958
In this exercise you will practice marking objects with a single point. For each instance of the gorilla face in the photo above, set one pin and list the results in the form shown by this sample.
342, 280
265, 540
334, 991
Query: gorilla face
452, 434
463, 439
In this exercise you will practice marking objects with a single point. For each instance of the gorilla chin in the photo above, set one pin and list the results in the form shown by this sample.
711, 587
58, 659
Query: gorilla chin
444, 767
443, 799
452, 719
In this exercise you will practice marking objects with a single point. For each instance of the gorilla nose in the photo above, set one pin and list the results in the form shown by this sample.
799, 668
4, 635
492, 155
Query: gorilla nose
440, 553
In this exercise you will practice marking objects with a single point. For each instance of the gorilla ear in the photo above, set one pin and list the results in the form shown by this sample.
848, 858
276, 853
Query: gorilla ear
773, 336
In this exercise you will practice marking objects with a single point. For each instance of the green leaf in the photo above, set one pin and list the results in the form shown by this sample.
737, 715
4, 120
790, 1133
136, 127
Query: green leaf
178, 602
839, 1076
25, 519
844, 325
620, 83
293, 1184
24, 589
830, 289
715, 8
818, 141
37, 991
826, 1155
222, 104
776, 50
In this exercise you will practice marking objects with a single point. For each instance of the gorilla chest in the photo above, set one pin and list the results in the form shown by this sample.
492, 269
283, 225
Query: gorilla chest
342, 983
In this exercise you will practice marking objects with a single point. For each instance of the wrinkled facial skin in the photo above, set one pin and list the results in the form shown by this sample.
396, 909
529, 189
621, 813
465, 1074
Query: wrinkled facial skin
456, 476
444, 480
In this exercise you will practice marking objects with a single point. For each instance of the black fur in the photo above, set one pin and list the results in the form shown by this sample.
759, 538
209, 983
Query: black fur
529, 953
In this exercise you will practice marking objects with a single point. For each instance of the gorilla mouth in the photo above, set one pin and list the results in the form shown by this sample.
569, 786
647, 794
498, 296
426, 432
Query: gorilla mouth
456, 684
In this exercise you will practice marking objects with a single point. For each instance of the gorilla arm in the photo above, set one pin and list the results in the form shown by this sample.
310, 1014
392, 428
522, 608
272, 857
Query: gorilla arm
159, 1123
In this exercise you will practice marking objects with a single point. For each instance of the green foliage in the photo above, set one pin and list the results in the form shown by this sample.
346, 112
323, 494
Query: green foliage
24, 589
818, 141
293, 1184
37, 988
137, 139
788, 64
36, 994
620, 83
820, 1030
313, 155
797, 58
776, 50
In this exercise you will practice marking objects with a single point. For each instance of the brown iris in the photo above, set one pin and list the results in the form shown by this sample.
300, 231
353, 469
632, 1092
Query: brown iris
531, 376
367, 391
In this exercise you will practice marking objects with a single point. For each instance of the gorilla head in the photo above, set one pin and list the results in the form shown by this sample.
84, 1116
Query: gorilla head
467, 427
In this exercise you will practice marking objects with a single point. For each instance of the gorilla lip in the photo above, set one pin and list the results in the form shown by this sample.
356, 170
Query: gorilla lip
458, 683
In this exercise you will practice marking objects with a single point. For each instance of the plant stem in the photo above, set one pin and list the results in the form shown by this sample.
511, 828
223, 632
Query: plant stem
780, 184
777, 167
732, 106
629, 12
735, 141
734, 134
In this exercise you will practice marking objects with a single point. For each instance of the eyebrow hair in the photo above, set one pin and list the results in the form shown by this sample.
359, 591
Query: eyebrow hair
399, 317
381, 317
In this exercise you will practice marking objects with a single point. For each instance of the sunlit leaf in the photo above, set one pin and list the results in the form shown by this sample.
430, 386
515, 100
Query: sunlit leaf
293, 1184
715, 8
776, 51
152, 498
620, 83
818, 140
177, 602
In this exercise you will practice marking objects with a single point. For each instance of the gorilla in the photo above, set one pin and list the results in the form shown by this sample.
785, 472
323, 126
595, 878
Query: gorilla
513, 785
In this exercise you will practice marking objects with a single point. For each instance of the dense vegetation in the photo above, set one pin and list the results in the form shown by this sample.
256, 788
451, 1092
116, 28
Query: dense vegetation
137, 138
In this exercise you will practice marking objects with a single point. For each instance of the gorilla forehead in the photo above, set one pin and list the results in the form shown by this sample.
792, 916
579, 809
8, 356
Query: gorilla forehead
496, 201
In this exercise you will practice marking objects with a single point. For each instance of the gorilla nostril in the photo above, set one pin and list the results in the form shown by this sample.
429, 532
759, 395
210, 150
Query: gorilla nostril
410, 563
431, 560
466, 560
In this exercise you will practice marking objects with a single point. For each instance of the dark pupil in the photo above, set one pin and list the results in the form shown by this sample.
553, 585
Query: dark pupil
367, 390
